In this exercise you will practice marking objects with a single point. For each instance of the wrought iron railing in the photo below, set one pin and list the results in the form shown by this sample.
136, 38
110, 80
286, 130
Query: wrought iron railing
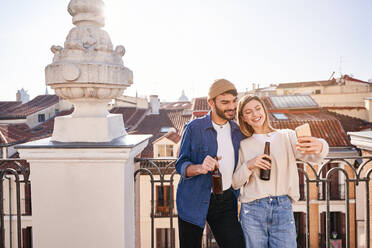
16, 173
312, 175
162, 172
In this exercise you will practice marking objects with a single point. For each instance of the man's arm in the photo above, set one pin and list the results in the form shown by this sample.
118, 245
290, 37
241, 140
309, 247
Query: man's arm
184, 166
196, 169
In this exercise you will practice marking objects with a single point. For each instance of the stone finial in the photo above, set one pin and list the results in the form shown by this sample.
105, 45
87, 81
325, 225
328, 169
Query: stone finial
86, 12
87, 71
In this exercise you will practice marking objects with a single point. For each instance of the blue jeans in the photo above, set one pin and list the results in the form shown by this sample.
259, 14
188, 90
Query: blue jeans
268, 222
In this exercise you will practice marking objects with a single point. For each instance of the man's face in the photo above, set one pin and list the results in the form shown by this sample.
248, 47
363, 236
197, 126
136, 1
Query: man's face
224, 106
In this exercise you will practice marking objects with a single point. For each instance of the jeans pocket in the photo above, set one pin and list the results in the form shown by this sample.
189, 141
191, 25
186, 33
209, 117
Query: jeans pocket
286, 203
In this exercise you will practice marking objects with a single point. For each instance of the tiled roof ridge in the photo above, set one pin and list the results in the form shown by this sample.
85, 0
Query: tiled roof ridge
348, 116
347, 77
173, 136
38, 103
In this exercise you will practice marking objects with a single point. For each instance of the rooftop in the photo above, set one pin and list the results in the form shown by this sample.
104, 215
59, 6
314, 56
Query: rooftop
152, 124
21, 111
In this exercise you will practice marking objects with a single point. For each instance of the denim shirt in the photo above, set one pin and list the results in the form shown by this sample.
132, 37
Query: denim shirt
199, 139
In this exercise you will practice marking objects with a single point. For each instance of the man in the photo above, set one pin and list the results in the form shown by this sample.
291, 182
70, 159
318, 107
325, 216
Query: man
215, 134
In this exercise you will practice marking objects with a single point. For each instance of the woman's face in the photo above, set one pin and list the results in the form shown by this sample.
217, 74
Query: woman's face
253, 113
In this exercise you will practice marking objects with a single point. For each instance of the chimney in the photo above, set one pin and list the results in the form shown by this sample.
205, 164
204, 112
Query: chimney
22, 96
154, 105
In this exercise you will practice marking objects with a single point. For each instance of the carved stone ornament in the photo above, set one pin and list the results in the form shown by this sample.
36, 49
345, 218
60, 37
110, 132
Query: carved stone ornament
87, 68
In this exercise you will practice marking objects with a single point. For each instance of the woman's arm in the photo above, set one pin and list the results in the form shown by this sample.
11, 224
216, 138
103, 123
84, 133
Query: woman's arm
244, 168
310, 149
242, 173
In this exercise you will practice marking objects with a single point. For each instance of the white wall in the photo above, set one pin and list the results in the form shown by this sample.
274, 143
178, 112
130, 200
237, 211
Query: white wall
33, 121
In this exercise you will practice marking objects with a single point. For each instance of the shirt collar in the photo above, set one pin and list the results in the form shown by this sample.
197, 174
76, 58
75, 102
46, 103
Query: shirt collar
208, 119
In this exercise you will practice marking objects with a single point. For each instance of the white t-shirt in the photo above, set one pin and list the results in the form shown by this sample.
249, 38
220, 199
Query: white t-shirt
265, 137
225, 150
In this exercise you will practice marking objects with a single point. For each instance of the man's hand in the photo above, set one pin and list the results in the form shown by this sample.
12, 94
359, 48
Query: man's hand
309, 145
208, 164
197, 169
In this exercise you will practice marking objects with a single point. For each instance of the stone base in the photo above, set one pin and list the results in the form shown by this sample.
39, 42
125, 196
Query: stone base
88, 129
83, 194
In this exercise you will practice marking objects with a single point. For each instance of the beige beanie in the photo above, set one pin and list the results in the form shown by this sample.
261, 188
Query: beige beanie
218, 87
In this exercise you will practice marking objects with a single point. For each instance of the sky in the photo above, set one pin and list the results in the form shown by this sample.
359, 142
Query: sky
174, 45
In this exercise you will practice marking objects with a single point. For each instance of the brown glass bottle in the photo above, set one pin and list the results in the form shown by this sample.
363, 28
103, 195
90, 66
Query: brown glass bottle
265, 174
217, 181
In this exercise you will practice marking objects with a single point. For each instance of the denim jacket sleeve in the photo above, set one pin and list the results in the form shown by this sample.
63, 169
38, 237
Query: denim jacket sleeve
183, 160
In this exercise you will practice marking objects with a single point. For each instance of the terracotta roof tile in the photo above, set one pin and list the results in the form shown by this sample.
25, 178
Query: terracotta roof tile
200, 104
347, 77
33, 106
175, 137
7, 106
178, 119
137, 116
350, 124
322, 124
152, 124
14, 133
127, 112
20, 133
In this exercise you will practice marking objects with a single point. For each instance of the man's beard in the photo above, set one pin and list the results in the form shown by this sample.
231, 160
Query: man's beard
222, 115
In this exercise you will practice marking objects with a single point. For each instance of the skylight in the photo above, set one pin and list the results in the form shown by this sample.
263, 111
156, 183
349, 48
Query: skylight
164, 129
280, 116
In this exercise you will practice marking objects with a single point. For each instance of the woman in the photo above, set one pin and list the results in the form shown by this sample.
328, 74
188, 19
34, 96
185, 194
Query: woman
266, 211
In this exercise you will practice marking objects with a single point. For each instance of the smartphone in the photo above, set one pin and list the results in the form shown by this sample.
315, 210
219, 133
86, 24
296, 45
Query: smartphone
303, 130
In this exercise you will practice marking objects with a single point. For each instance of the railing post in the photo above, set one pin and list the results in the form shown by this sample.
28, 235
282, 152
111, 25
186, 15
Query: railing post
350, 185
313, 223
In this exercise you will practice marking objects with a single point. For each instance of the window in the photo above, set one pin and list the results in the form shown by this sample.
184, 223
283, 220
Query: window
163, 200
165, 151
165, 238
317, 92
41, 117
280, 116
164, 129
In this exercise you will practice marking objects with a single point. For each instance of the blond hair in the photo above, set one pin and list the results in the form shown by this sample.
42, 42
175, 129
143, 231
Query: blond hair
245, 128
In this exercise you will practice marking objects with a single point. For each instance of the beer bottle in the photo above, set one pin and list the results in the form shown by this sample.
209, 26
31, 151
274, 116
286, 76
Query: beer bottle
216, 180
265, 174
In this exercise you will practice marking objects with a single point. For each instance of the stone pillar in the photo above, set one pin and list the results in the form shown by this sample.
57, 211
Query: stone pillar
82, 177
363, 141
314, 209
83, 194
88, 73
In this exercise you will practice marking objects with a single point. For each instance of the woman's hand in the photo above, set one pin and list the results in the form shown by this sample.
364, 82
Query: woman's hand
259, 162
309, 145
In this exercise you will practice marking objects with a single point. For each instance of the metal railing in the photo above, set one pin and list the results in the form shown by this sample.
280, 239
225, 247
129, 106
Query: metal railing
346, 168
16, 173
162, 172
